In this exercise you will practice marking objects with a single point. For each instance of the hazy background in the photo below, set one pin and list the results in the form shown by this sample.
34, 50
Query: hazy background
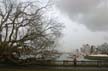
86, 21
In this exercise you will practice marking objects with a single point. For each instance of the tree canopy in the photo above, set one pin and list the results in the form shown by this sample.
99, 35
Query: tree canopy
25, 29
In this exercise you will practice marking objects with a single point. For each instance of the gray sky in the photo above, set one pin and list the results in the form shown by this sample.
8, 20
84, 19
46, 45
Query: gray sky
85, 21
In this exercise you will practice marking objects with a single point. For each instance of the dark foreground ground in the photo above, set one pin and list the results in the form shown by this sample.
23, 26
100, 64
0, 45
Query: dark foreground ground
47, 68
77, 69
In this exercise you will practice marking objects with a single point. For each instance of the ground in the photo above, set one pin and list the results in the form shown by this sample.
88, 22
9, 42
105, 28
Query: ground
55, 69
46, 70
50, 68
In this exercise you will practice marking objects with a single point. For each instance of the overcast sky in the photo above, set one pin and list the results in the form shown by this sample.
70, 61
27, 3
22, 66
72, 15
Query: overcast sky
86, 21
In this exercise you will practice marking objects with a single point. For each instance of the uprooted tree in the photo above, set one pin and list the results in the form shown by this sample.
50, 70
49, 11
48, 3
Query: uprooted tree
25, 30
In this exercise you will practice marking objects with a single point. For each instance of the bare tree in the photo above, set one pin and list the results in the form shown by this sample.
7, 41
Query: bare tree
103, 48
88, 49
24, 29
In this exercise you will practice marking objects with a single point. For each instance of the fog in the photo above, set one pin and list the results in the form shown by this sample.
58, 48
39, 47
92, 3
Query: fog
85, 21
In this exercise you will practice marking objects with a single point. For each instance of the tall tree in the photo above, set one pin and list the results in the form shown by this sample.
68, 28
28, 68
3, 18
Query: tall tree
25, 29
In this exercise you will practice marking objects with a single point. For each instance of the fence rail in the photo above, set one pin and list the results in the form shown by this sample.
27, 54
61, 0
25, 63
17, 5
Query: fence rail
61, 62
68, 63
